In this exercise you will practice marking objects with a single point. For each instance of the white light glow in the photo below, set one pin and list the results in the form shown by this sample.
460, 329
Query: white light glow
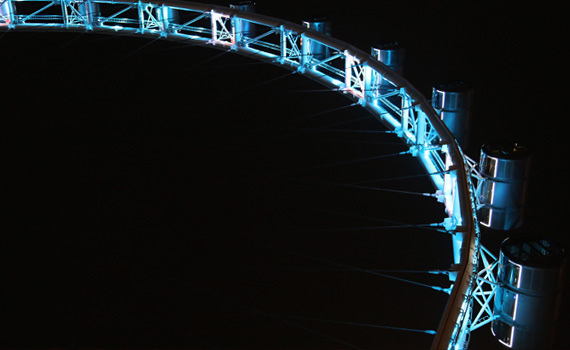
510, 340
516, 306
489, 218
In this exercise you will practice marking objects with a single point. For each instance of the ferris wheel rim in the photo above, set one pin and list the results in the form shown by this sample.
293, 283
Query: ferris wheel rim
455, 315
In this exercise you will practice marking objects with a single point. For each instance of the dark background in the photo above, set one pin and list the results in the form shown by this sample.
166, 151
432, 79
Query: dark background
132, 108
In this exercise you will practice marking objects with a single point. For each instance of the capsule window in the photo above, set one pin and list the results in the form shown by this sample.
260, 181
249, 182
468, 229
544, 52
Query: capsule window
511, 274
487, 192
509, 303
503, 332
490, 166
514, 274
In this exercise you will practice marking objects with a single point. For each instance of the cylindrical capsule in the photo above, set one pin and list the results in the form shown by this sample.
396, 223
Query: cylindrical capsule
391, 53
502, 191
453, 101
90, 10
169, 18
528, 297
6, 13
244, 29
321, 25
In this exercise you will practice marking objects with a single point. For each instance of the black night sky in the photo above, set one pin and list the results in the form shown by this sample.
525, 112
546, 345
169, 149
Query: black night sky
166, 196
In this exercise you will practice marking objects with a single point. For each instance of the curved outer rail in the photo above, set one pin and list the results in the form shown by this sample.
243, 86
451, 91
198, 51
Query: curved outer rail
385, 94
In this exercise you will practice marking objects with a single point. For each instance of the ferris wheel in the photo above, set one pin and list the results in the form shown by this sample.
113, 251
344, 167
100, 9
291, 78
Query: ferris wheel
369, 84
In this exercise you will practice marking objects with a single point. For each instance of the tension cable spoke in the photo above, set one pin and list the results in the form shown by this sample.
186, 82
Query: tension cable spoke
356, 185
381, 189
433, 226
276, 317
362, 142
340, 269
298, 132
109, 65
236, 65
197, 65
334, 263
370, 228
347, 131
305, 91
279, 174
254, 86
346, 162
350, 121
303, 118
425, 331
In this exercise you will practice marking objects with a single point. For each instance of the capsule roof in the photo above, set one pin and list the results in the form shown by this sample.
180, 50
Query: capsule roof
506, 150
534, 252
454, 86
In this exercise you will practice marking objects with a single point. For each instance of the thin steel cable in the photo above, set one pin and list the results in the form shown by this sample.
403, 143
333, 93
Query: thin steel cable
201, 63
341, 163
425, 331
125, 56
257, 176
276, 317
370, 228
347, 131
334, 263
363, 217
263, 83
305, 117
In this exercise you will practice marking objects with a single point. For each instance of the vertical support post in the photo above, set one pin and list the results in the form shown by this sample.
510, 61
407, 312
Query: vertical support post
451, 201
348, 63
406, 111
283, 44
214, 26
141, 11
353, 72
305, 51
221, 34
421, 127
64, 12
449, 185
368, 84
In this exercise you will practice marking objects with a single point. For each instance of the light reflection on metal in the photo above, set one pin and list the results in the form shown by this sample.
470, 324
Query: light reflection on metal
394, 102
354, 76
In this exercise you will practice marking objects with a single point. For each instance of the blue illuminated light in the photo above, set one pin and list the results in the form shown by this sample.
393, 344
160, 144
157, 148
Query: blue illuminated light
405, 111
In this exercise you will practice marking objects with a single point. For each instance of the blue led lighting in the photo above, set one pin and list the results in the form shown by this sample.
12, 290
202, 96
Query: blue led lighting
349, 70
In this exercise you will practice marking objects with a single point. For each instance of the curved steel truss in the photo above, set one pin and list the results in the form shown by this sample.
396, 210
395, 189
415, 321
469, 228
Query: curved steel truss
348, 70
